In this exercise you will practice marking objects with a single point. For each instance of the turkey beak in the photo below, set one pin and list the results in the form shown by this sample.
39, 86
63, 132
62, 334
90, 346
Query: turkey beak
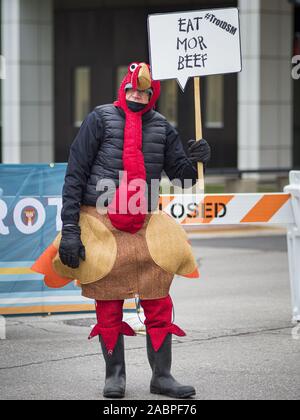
144, 77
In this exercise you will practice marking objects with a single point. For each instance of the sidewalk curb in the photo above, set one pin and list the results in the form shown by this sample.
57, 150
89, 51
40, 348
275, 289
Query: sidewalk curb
241, 232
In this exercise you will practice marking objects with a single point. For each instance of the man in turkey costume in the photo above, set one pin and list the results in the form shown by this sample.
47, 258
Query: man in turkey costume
114, 251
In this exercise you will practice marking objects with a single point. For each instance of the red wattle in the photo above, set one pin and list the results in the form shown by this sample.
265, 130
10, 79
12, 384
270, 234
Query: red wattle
128, 209
124, 212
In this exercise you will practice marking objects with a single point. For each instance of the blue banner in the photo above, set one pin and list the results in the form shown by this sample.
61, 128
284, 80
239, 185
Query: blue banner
30, 207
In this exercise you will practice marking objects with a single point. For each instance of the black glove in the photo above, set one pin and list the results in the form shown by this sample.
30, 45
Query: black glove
71, 247
199, 151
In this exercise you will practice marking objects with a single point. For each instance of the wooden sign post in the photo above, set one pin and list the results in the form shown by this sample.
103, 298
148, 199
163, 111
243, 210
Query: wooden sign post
198, 129
195, 44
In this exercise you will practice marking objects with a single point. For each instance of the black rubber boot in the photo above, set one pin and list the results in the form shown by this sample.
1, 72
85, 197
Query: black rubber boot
115, 378
162, 381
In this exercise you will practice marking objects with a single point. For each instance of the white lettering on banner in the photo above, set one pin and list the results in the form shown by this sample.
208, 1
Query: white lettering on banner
3, 213
33, 205
196, 43
29, 215
57, 201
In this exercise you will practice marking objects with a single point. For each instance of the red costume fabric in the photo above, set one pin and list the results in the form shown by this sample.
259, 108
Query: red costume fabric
109, 322
120, 214
158, 313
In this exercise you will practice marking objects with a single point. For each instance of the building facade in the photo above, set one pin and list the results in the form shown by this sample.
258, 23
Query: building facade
64, 57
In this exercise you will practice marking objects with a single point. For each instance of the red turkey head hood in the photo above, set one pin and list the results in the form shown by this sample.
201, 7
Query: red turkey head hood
139, 76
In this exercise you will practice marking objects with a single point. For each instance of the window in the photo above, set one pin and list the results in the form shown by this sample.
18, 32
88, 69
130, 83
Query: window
82, 94
168, 102
214, 101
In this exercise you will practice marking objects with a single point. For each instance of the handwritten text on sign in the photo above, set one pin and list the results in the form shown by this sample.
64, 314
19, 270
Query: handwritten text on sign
198, 43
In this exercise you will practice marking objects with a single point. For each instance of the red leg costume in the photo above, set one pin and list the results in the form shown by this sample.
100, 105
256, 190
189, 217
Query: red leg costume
158, 313
109, 322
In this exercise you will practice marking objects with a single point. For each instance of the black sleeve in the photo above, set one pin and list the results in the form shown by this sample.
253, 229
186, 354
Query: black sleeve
82, 154
177, 164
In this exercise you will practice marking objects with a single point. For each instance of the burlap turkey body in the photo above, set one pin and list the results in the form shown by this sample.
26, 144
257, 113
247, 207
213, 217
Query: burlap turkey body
120, 265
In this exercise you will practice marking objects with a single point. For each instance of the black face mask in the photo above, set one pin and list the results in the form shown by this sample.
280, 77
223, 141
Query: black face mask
135, 106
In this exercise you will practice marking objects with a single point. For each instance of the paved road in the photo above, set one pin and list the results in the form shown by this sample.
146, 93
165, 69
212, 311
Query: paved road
239, 343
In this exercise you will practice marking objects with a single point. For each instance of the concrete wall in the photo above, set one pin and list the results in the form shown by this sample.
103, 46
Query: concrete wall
27, 98
265, 85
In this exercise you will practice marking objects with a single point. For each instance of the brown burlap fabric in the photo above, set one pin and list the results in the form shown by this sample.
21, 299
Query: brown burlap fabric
120, 265
134, 272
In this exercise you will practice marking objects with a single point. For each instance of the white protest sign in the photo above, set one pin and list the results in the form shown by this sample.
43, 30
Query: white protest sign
195, 43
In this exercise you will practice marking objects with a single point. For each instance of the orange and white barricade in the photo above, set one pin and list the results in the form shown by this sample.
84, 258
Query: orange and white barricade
237, 209
193, 210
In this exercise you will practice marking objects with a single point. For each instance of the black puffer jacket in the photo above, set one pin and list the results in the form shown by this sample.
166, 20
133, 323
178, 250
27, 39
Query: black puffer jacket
97, 150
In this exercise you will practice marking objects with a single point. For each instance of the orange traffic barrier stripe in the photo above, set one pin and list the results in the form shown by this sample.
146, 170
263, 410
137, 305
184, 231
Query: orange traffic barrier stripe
266, 208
